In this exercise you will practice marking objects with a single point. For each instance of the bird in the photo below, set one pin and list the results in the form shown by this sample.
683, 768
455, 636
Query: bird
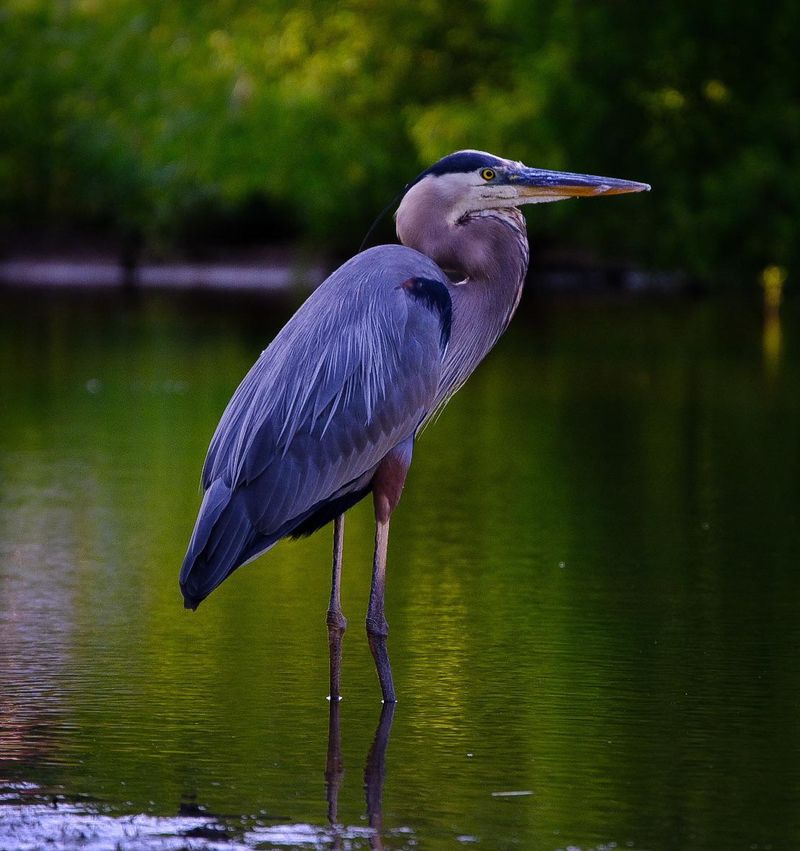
330, 411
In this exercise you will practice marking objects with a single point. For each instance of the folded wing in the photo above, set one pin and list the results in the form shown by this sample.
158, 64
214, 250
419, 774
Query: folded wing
351, 376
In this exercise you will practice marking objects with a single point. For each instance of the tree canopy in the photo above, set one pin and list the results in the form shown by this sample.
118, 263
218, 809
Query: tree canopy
304, 118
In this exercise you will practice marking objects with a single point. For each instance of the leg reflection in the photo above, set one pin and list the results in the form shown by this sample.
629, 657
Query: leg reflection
334, 767
374, 770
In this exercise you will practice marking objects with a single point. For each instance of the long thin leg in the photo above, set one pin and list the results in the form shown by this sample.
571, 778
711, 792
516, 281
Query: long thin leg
377, 628
387, 486
337, 622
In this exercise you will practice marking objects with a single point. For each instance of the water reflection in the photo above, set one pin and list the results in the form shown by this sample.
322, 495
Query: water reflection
31, 816
772, 341
592, 591
334, 767
374, 772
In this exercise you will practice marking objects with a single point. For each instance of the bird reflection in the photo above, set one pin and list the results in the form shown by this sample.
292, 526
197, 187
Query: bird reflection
374, 772
202, 822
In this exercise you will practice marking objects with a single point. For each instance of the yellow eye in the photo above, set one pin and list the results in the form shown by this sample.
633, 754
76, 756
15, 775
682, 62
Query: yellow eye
488, 174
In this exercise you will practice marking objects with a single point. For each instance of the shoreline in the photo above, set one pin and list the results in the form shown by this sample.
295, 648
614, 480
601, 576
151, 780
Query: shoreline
107, 274
550, 274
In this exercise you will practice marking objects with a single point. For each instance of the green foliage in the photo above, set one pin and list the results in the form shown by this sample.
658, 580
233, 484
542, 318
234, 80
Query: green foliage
144, 115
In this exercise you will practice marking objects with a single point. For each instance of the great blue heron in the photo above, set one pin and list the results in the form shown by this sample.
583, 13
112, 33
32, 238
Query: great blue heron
330, 411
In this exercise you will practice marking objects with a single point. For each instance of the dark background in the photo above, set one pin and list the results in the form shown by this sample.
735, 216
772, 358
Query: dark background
169, 130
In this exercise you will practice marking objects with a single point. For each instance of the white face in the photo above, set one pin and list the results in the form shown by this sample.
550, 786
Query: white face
494, 184
460, 193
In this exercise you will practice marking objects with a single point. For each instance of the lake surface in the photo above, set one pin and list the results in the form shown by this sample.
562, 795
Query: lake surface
593, 594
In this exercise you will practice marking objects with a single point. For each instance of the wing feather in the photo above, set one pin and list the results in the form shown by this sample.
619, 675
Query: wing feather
351, 376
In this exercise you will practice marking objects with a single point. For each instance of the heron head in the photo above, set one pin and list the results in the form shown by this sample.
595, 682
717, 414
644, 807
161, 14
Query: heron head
472, 181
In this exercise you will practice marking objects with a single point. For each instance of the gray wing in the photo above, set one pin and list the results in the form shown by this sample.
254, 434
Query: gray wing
350, 376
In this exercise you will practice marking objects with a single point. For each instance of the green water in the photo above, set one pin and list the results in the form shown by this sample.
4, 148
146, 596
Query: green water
593, 591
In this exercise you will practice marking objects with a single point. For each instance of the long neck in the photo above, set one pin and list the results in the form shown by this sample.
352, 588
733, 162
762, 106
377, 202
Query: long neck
488, 253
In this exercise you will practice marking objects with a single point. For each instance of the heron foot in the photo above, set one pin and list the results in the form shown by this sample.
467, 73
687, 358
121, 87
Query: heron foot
377, 634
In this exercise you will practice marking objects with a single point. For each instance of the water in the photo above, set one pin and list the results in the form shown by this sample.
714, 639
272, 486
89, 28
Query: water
592, 594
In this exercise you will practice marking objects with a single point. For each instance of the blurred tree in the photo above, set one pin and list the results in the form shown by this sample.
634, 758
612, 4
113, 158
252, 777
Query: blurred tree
152, 119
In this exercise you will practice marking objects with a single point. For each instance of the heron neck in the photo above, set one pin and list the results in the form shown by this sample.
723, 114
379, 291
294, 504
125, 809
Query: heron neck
491, 250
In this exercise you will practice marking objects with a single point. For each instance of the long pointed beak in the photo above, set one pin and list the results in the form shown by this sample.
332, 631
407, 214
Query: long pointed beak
535, 184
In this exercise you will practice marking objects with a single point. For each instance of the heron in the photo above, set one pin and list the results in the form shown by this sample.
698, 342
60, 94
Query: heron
330, 411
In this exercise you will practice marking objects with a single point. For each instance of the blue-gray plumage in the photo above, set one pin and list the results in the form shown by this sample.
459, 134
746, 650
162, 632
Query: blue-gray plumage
350, 377
331, 409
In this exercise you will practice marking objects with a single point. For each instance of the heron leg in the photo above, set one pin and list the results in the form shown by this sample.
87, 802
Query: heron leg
377, 628
387, 485
337, 623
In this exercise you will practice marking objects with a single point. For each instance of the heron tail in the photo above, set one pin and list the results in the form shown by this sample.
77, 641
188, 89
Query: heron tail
222, 539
